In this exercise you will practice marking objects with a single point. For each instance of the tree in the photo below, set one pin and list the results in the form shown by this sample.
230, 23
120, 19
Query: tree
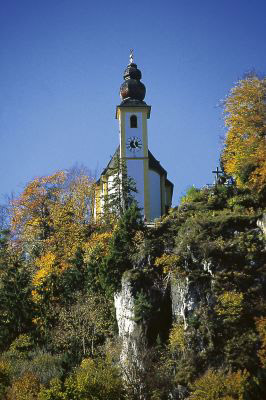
50, 222
121, 249
244, 153
82, 326
120, 189
16, 307
216, 385
261, 328
93, 380
3, 217
25, 388
52, 215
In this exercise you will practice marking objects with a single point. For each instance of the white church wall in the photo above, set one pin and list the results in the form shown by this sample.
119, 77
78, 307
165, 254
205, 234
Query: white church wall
155, 194
111, 188
135, 169
134, 132
102, 197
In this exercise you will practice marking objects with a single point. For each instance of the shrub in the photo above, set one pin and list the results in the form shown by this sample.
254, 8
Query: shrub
25, 388
216, 385
177, 338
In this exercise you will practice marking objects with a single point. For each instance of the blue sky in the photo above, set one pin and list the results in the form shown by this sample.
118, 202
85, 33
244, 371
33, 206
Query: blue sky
61, 66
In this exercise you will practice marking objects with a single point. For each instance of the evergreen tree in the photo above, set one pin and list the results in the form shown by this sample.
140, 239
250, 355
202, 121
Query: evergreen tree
16, 308
120, 189
122, 247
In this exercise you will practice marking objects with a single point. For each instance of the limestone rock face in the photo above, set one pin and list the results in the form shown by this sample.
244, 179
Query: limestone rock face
188, 296
133, 334
262, 224
185, 298
143, 313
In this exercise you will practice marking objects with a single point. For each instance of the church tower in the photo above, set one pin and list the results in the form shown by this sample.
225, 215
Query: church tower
154, 190
132, 114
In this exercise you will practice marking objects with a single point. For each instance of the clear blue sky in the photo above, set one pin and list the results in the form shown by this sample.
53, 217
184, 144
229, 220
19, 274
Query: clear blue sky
61, 66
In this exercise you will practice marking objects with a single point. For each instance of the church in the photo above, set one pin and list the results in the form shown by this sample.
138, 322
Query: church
154, 191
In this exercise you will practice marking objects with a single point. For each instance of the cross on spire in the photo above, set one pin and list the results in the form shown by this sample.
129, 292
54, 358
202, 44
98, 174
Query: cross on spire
131, 56
217, 173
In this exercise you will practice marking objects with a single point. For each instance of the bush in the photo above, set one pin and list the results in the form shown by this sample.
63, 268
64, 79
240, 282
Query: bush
216, 385
25, 388
93, 380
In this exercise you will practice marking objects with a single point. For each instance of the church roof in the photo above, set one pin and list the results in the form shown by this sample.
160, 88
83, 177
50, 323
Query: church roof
153, 164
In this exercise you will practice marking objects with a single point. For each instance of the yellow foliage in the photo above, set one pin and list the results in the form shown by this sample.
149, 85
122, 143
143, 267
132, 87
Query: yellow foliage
244, 154
97, 245
216, 385
177, 338
45, 263
138, 238
261, 328
230, 305
52, 216
168, 262
25, 388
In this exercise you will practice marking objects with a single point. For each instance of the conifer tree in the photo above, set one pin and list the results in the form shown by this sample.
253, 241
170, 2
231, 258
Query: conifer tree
120, 189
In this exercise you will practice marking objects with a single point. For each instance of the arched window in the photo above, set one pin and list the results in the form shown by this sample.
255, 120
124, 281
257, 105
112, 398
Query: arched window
133, 121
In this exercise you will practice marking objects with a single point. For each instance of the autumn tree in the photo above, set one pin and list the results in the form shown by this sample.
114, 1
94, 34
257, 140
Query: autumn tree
244, 153
216, 385
261, 328
82, 326
51, 219
51, 213
94, 379
50, 222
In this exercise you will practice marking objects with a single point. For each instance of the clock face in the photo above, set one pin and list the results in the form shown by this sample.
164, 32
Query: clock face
134, 144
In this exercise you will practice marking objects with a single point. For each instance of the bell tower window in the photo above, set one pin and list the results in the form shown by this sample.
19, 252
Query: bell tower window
133, 121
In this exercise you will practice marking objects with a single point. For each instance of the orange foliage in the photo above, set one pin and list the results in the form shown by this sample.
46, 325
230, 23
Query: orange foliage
244, 154
51, 220
25, 388
261, 328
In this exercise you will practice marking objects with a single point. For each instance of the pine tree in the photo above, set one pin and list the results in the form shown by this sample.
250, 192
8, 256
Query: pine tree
120, 190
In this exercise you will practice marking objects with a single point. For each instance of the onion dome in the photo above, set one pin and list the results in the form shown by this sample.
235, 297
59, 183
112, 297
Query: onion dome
132, 90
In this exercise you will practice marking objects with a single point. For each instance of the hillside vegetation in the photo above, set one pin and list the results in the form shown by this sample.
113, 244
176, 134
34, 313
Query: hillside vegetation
197, 279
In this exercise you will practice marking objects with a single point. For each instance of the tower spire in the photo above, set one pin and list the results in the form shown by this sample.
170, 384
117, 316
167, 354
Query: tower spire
132, 90
131, 56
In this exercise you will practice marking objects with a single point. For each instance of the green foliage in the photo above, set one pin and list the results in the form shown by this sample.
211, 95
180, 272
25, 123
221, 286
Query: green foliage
16, 306
122, 248
193, 195
93, 380
23, 357
218, 252
120, 191
82, 326
142, 306
57, 309
54, 392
